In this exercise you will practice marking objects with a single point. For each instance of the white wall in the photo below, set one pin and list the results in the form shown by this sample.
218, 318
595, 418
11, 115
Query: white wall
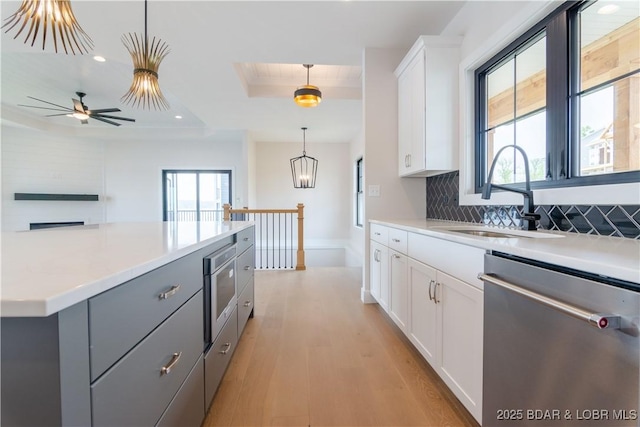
327, 218
35, 161
133, 171
400, 198
355, 255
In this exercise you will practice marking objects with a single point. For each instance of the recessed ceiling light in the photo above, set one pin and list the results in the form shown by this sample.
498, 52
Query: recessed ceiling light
178, 117
608, 9
99, 58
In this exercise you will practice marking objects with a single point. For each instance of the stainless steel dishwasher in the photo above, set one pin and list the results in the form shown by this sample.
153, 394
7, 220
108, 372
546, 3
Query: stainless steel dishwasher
561, 348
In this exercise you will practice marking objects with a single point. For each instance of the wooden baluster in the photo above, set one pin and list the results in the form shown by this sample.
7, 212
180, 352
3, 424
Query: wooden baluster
300, 261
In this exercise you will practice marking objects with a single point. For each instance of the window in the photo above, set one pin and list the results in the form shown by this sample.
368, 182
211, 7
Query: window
568, 93
195, 195
359, 192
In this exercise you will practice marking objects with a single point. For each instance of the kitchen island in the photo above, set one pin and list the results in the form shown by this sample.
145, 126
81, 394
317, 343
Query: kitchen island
103, 324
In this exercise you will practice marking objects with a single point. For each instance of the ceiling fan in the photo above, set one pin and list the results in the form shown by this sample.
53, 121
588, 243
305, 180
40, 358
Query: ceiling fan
81, 112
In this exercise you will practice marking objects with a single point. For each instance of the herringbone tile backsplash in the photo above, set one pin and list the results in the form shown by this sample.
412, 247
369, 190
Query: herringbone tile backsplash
606, 220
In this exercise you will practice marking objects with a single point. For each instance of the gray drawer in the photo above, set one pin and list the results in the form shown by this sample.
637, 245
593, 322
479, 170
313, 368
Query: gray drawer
187, 407
245, 238
245, 265
121, 317
245, 305
217, 358
135, 392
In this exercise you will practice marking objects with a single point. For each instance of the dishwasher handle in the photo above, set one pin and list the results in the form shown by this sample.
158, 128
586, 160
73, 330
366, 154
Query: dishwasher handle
597, 320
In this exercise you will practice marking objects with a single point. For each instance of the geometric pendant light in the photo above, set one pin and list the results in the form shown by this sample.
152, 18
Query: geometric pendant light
56, 14
145, 90
307, 95
304, 168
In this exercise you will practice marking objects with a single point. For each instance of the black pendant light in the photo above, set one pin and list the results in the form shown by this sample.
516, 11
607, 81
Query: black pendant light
304, 168
307, 95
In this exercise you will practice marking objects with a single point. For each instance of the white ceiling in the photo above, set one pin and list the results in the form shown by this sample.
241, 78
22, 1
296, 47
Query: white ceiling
233, 65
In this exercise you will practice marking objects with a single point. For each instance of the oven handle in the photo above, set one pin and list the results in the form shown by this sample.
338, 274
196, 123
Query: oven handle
597, 320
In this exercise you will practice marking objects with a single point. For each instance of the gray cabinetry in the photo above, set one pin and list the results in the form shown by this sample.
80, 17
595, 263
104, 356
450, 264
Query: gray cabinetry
141, 385
187, 408
217, 358
121, 317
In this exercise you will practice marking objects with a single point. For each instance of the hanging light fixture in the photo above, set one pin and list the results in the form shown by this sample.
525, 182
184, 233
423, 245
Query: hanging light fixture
54, 13
304, 168
145, 91
307, 95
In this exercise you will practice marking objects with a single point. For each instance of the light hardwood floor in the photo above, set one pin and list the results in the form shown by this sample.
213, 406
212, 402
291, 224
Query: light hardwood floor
314, 355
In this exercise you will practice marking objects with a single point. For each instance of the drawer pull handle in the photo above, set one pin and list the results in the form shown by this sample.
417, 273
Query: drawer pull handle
396, 256
171, 292
247, 303
396, 240
376, 233
246, 239
431, 283
166, 370
247, 267
226, 350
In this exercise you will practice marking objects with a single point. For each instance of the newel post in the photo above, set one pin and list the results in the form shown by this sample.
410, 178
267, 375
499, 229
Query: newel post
300, 254
227, 209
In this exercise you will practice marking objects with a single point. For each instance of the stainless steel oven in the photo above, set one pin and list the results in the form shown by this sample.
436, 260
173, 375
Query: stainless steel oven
219, 290
561, 347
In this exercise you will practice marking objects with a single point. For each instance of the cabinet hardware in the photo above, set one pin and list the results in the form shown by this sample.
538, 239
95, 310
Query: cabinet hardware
376, 233
409, 157
376, 255
247, 267
597, 320
166, 370
246, 239
431, 282
247, 303
396, 256
396, 240
435, 293
171, 292
226, 350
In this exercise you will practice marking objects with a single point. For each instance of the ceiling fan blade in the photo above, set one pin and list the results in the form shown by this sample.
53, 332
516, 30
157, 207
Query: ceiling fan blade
78, 105
105, 120
111, 117
105, 110
46, 108
47, 102
54, 115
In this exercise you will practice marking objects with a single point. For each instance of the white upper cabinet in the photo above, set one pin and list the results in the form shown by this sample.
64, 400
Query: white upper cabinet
428, 107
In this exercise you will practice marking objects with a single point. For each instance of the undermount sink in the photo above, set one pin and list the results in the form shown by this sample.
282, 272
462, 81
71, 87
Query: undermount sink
499, 234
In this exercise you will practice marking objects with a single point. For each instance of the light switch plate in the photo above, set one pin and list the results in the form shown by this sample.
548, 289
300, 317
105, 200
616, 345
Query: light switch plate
374, 191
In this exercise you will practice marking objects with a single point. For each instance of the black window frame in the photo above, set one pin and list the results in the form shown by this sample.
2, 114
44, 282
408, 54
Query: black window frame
562, 119
359, 191
197, 172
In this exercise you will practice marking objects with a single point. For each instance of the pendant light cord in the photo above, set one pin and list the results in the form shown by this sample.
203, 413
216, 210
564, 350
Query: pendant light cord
145, 25
304, 138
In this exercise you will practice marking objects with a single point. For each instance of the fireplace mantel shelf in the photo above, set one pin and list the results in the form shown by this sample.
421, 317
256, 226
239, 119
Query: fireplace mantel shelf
57, 197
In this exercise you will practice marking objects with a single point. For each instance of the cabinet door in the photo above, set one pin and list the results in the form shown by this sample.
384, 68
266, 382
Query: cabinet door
460, 312
399, 302
411, 116
379, 278
423, 318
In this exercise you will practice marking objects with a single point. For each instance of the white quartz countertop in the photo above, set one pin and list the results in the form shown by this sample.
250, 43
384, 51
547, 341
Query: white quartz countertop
613, 257
45, 271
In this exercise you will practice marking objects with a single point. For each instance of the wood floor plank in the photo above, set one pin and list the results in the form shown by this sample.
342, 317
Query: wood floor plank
314, 355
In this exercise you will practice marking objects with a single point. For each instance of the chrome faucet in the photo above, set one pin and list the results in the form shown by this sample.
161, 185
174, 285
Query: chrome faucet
528, 216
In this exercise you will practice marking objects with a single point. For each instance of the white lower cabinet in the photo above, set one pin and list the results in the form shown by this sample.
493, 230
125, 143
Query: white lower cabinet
460, 311
445, 325
423, 318
441, 315
380, 274
398, 304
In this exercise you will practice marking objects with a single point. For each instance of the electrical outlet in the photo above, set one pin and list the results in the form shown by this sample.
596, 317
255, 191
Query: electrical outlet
374, 191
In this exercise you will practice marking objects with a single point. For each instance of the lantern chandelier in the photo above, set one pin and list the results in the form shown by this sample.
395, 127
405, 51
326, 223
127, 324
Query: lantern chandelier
54, 13
304, 168
307, 95
145, 90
